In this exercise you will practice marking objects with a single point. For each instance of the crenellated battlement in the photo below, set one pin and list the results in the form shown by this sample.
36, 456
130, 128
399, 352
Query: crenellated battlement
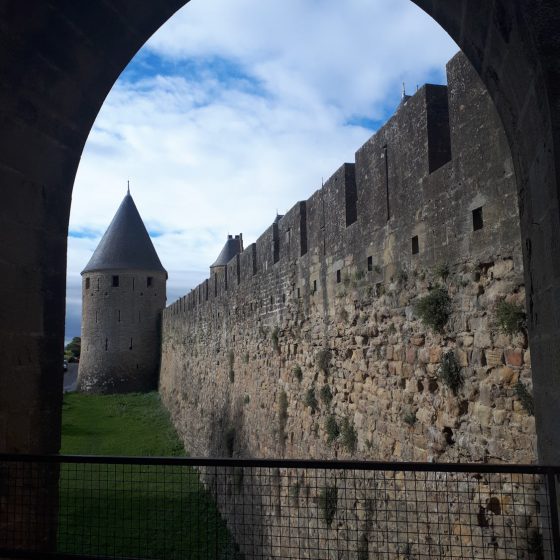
407, 199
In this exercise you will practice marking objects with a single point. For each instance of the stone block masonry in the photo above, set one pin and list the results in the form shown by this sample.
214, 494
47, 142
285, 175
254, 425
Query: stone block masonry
310, 343
324, 302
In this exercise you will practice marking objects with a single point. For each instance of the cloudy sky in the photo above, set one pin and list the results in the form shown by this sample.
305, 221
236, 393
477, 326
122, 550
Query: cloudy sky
234, 110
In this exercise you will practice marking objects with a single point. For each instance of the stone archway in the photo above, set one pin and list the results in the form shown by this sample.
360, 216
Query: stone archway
58, 62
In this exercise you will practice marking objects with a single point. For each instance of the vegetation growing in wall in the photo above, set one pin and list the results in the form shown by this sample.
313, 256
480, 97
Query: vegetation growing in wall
246, 399
510, 316
525, 398
322, 359
311, 400
298, 373
442, 271
332, 429
410, 418
450, 372
434, 309
328, 503
349, 436
326, 394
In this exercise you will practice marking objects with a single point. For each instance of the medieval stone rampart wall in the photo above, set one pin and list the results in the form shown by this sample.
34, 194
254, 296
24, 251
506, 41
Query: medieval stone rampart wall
336, 279
308, 344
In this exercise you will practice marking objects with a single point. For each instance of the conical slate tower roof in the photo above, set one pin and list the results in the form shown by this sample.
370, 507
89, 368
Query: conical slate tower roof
232, 247
126, 244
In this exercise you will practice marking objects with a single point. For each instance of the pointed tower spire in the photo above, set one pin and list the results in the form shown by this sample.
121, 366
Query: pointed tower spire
126, 245
128, 187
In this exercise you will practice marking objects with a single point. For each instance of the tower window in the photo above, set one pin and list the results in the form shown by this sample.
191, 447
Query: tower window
477, 220
370, 264
106, 344
415, 245
149, 281
115, 281
87, 283
119, 315
314, 286
338, 276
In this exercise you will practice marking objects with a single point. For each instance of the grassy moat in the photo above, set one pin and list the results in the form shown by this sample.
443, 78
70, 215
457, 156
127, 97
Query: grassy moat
132, 510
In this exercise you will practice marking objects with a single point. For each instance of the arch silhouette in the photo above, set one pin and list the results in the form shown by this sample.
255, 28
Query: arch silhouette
59, 59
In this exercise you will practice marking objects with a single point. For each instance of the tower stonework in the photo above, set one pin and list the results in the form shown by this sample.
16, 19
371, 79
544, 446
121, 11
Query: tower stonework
123, 295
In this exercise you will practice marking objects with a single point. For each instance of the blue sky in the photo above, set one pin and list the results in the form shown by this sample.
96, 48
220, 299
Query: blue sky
236, 109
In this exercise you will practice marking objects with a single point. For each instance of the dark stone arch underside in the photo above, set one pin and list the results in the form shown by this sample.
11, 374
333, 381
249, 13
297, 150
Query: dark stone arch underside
58, 61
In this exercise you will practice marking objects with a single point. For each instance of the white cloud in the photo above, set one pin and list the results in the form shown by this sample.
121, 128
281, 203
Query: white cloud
245, 114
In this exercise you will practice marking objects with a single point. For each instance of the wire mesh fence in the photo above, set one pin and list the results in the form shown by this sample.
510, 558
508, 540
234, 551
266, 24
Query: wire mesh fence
109, 507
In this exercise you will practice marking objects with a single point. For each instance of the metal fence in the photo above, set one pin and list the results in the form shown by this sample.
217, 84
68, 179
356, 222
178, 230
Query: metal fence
179, 508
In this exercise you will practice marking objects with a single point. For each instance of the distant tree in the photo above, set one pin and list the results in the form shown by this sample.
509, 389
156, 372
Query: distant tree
72, 350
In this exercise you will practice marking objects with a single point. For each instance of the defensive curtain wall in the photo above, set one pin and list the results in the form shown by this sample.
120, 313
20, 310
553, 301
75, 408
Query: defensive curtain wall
309, 343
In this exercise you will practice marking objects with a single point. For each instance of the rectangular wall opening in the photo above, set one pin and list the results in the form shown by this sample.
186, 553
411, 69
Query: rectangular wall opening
415, 245
115, 281
477, 219
338, 276
370, 264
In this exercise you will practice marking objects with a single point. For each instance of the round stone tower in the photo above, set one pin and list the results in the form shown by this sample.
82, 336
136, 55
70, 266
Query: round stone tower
123, 295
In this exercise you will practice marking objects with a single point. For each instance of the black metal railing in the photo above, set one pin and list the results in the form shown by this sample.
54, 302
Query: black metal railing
176, 508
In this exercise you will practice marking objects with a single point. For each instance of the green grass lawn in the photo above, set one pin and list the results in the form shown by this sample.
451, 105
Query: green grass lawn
132, 510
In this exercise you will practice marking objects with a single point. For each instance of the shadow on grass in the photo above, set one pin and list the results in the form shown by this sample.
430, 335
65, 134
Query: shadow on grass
141, 511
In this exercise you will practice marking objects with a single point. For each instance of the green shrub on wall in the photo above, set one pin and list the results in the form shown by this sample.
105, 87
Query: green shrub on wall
450, 372
434, 309
525, 398
326, 394
510, 316
332, 429
311, 400
349, 436
298, 373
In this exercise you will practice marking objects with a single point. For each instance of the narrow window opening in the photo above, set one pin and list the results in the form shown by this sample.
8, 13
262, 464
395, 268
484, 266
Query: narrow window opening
87, 283
115, 281
149, 281
415, 245
106, 344
98, 284
338, 276
119, 312
271, 300
370, 264
133, 284
298, 293
283, 298
477, 219
314, 286
130, 347
96, 315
